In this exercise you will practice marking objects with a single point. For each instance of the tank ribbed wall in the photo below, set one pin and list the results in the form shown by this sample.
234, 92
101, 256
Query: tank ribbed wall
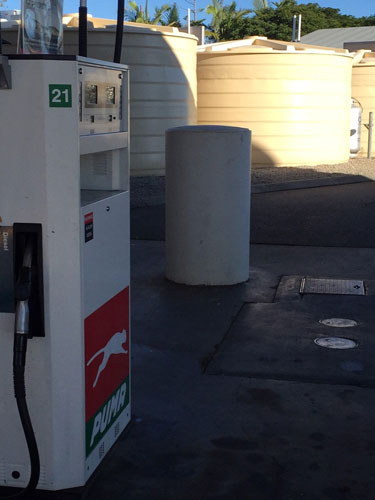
297, 104
363, 89
163, 84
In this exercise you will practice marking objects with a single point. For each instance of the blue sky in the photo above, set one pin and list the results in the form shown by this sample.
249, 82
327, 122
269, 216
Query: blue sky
107, 8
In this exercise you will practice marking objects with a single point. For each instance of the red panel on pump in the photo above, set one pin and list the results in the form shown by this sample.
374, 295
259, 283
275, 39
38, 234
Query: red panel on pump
106, 366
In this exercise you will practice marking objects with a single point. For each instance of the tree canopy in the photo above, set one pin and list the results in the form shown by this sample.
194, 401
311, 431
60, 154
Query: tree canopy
137, 14
266, 18
275, 20
225, 19
172, 17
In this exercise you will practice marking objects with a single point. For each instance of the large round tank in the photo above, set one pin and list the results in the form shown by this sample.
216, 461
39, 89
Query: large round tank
163, 81
363, 89
294, 98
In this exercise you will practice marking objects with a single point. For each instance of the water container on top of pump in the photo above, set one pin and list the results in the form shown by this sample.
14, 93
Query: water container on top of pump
355, 127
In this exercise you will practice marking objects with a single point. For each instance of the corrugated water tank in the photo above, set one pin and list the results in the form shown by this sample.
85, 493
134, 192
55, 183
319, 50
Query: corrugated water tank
363, 89
294, 98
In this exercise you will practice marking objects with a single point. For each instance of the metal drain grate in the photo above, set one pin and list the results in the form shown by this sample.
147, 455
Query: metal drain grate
332, 286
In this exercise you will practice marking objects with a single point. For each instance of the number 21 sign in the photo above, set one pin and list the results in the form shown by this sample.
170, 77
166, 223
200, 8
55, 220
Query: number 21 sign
60, 96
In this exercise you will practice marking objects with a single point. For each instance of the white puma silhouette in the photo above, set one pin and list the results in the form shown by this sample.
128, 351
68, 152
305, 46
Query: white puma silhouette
113, 346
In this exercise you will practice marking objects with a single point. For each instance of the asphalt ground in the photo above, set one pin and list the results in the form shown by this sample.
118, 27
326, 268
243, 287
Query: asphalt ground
232, 399
339, 215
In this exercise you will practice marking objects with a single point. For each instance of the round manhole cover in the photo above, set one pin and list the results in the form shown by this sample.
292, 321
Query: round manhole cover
339, 322
335, 342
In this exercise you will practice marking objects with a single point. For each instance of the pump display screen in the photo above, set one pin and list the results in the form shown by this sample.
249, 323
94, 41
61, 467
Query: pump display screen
100, 95
91, 94
111, 95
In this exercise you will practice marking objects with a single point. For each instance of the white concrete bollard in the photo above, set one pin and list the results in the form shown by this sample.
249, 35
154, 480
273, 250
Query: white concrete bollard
207, 205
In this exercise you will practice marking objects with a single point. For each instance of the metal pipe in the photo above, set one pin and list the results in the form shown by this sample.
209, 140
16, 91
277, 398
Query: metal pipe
370, 128
299, 27
294, 28
188, 21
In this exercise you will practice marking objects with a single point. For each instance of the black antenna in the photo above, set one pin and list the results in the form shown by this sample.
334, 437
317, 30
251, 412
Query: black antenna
82, 29
1, 40
119, 30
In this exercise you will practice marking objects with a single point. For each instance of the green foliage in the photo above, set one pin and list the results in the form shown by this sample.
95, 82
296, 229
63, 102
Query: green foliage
171, 17
276, 21
226, 20
273, 20
135, 13
198, 22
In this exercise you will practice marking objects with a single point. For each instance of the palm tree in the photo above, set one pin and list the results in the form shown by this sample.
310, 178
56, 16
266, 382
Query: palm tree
135, 13
224, 15
216, 10
159, 12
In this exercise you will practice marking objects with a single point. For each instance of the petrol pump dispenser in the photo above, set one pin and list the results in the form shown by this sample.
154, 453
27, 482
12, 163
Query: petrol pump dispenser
64, 260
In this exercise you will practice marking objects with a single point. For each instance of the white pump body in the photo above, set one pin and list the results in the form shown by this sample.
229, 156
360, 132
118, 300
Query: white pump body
65, 165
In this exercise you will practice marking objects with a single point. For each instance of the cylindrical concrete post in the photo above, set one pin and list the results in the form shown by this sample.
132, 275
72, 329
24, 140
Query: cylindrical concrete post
207, 205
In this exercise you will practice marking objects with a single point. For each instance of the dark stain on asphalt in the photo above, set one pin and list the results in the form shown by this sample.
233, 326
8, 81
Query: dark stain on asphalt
314, 466
232, 443
317, 436
263, 397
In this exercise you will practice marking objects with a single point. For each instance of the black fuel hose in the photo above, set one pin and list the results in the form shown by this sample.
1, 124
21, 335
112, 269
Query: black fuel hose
21, 330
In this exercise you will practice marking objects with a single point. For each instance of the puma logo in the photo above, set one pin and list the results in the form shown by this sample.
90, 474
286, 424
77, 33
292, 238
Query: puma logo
113, 346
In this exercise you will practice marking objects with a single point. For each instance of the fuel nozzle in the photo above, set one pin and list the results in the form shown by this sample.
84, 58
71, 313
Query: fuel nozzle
21, 325
23, 291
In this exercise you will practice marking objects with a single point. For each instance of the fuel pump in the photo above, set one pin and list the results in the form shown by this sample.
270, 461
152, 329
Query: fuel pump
64, 267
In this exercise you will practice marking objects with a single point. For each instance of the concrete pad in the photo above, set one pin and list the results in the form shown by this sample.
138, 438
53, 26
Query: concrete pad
276, 341
178, 317
261, 286
223, 437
